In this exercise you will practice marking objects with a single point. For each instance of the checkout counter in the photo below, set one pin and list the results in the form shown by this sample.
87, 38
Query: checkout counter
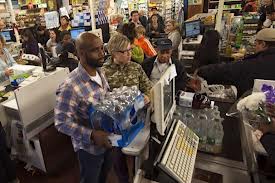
28, 117
232, 164
225, 167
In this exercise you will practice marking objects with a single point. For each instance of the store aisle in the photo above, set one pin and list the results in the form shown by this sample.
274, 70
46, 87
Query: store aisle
67, 175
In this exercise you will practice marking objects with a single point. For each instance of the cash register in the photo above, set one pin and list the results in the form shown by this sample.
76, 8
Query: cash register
192, 41
178, 145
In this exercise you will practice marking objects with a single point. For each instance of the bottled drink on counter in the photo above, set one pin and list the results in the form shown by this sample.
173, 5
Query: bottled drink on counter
196, 101
188, 118
203, 123
215, 135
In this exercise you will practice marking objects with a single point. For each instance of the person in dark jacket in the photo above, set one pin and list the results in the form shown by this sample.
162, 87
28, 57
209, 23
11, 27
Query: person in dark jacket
155, 12
154, 28
265, 10
208, 52
156, 66
242, 74
42, 35
142, 18
30, 45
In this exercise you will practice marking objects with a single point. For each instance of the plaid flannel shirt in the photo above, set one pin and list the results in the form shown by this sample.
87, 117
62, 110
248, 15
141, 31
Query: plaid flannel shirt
74, 97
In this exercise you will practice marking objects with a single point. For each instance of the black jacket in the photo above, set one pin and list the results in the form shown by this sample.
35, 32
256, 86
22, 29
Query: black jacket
149, 29
31, 47
143, 20
242, 74
181, 78
205, 56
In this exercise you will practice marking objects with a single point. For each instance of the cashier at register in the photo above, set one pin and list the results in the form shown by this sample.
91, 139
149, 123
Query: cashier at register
6, 61
242, 74
85, 86
156, 66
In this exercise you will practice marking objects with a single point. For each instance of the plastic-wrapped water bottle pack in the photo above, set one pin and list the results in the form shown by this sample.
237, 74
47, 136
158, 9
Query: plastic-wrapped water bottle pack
117, 112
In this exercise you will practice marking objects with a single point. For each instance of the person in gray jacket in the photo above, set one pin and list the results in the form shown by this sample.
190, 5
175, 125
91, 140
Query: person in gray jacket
171, 28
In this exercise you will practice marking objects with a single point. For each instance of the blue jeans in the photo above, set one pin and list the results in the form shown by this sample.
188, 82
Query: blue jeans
94, 168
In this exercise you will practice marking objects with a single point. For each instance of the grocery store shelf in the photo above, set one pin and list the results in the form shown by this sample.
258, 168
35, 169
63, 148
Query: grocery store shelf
227, 9
237, 1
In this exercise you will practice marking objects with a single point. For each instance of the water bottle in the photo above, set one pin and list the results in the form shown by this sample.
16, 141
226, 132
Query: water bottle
203, 122
218, 135
188, 120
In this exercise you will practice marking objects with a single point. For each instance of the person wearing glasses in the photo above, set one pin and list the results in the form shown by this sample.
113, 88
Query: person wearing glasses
156, 66
121, 71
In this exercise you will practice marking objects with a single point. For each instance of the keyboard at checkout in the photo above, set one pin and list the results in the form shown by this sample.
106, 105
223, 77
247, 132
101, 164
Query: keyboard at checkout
178, 154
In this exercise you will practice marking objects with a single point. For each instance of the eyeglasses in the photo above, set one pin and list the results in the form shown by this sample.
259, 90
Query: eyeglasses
124, 51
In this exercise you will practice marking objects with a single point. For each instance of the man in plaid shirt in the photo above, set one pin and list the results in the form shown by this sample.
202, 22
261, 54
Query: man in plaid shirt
86, 85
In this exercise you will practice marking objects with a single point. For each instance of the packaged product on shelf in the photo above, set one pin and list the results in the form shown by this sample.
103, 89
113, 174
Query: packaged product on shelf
119, 113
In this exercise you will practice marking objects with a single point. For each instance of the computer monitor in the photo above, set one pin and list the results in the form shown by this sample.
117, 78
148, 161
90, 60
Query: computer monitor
164, 103
76, 32
6, 35
192, 29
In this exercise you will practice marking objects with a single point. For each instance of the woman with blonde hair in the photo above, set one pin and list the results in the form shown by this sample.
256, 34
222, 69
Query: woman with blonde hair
121, 71
172, 29
6, 61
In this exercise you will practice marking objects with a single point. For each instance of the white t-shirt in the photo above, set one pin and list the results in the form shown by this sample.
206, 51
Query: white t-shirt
97, 79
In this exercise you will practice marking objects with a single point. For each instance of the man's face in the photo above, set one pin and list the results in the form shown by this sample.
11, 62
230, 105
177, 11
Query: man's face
94, 53
259, 46
135, 17
164, 56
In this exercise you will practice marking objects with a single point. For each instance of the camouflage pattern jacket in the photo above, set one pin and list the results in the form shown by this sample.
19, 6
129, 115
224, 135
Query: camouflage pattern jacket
130, 74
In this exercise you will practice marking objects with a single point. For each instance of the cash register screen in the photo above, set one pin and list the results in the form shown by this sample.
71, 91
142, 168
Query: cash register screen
168, 98
6, 35
192, 29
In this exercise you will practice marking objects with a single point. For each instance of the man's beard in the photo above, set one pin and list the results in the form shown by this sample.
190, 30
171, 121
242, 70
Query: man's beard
95, 63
